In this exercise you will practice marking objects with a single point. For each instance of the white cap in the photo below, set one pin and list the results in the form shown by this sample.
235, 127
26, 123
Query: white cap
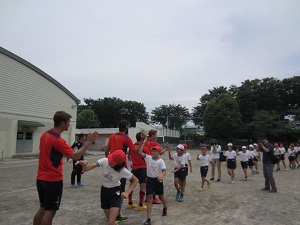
243, 146
254, 144
250, 146
229, 144
180, 147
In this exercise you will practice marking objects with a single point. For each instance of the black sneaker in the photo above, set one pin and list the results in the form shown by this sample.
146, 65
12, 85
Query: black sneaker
147, 222
212, 178
121, 218
165, 211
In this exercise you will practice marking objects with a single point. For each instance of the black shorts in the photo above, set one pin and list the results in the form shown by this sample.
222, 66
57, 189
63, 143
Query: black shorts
182, 174
250, 162
291, 158
110, 197
203, 171
153, 186
140, 174
176, 173
50, 194
255, 159
281, 157
187, 169
244, 164
231, 164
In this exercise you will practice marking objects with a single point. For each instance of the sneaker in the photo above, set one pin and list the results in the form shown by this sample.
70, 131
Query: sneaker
121, 218
147, 222
212, 178
80, 184
245, 179
218, 179
201, 189
132, 206
73, 186
256, 172
265, 189
208, 185
232, 182
252, 173
142, 208
273, 190
165, 211
177, 195
286, 169
156, 201
181, 198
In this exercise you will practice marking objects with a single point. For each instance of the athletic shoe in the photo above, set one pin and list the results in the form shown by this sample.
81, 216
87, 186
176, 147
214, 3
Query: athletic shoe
286, 169
232, 182
73, 186
147, 222
181, 198
156, 201
245, 179
132, 206
80, 184
273, 190
219, 180
265, 189
165, 211
121, 218
177, 195
208, 185
142, 208
212, 178
201, 189
256, 172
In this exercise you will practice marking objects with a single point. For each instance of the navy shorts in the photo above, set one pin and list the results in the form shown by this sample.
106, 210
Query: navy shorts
182, 173
153, 186
203, 171
50, 194
231, 164
244, 164
110, 197
176, 173
281, 156
291, 158
140, 174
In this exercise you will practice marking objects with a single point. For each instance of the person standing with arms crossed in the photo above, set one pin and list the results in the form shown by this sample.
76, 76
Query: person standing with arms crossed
268, 166
50, 168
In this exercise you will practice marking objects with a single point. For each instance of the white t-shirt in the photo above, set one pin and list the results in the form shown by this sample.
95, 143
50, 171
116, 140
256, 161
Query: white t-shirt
277, 151
154, 166
244, 156
111, 177
230, 155
179, 160
255, 153
282, 150
204, 160
297, 149
215, 152
187, 157
251, 154
291, 152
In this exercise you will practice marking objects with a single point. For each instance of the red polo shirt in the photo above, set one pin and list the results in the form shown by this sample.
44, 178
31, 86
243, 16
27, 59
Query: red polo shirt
120, 141
52, 150
137, 161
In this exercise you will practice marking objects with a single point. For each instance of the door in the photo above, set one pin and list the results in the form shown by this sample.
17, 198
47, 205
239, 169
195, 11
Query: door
24, 141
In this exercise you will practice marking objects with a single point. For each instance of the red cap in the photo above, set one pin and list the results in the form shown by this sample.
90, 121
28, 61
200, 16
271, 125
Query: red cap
292, 145
276, 145
204, 148
157, 148
117, 157
185, 146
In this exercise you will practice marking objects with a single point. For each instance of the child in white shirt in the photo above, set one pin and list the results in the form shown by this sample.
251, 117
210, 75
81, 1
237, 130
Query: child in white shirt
204, 160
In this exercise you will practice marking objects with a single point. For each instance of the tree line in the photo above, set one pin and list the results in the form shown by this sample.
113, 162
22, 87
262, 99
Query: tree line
252, 110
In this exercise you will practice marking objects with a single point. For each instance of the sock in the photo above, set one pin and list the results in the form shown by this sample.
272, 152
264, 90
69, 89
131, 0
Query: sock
142, 196
130, 198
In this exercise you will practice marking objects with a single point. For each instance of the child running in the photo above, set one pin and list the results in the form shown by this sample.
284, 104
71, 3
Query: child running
231, 162
113, 169
204, 160
156, 170
245, 155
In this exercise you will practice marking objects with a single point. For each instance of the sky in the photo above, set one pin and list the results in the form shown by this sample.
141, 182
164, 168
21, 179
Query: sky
154, 52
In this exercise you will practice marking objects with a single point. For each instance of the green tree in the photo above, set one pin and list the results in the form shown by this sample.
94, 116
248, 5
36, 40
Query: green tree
222, 118
171, 116
87, 119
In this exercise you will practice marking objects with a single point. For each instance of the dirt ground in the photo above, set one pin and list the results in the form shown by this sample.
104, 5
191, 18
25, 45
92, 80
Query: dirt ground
224, 203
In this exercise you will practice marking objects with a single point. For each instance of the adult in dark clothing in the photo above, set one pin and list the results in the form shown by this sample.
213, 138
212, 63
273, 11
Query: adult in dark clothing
77, 169
268, 166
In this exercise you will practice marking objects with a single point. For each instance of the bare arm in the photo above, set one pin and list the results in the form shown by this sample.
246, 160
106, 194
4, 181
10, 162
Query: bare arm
133, 183
90, 138
85, 165
160, 177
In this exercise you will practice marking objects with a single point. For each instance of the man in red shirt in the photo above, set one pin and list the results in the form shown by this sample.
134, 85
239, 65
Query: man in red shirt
120, 141
139, 169
50, 173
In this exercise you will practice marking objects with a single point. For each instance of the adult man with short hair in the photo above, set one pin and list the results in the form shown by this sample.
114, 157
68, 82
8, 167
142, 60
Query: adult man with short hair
50, 169
268, 166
